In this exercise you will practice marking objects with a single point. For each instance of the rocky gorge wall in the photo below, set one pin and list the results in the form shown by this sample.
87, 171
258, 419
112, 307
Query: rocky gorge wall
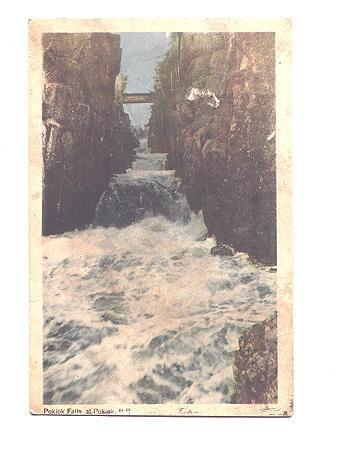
214, 113
256, 365
86, 134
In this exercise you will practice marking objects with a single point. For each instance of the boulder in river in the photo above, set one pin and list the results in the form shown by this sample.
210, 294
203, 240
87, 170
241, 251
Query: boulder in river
222, 250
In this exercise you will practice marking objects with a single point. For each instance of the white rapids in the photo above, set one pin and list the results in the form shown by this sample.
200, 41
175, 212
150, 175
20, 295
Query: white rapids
145, 314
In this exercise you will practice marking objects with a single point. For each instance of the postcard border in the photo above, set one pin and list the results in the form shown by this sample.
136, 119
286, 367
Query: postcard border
282, 29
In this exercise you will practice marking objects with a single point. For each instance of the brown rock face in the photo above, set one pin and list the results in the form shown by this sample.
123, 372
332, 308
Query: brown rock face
215, 116
255, 365
86, 135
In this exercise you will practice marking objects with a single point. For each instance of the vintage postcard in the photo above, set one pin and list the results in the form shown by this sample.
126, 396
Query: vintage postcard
160, 217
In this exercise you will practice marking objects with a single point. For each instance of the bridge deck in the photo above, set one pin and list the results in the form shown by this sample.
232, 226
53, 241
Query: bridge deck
137, 98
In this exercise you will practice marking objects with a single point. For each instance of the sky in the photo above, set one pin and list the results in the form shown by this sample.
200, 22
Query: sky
141, 51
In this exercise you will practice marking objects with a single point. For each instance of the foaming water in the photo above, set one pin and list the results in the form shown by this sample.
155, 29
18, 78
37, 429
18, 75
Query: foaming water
146, 189
145, 314
147, 162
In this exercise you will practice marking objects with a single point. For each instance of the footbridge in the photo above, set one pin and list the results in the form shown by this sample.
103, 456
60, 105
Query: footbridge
137, 98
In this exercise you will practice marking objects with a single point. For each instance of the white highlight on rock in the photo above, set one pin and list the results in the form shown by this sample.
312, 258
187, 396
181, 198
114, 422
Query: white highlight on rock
271, 136
53, 122
196, 93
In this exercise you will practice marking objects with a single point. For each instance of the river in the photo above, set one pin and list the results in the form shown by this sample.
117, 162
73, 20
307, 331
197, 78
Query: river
142, 312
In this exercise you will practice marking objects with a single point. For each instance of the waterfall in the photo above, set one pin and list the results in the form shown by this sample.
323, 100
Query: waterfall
145, 190
136, 309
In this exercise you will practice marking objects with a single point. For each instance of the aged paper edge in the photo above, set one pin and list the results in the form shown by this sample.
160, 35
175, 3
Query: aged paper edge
282, 29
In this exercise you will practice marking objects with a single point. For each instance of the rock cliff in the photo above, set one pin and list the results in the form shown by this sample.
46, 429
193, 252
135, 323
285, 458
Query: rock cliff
214, 113
86, 134
255, 365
